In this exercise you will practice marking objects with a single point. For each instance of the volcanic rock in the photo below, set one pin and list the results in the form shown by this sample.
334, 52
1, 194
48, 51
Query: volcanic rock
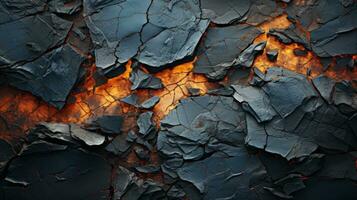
108, 124
44, 162
141, 80
226, 11
156, 33
145, 123
151, 102
51, 77
254, 101
186, 129
325, 87
232, 40
272, 55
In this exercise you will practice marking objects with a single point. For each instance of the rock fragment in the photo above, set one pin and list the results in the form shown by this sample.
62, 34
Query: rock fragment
224, 12
156, 33
325, 87
247, 57
107, 124
254, 101
89, 138
272, 55
141, 80
232, 40
151, 102
145, 123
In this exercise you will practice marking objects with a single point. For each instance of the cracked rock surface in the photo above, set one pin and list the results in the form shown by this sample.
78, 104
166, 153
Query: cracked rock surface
178, 99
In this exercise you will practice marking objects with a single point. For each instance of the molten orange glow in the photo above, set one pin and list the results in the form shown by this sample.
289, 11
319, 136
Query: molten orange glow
286, 57
177, 80
24, 110
20, 110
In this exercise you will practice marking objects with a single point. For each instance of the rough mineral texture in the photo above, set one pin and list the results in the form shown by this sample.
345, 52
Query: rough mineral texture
178, 99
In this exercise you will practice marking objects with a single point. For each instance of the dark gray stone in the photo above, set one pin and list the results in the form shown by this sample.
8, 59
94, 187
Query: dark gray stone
220, 177
63, 168
194, 123
31, 37
232, 40
145, 123
119, 146
107, 124
156, 33
325, 86
51, 76
142, 80
288, 92
226, 11
246, 58
150, 103
254, 101
272, 55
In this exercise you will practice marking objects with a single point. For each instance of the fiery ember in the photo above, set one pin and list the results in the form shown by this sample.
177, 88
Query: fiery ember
191, 99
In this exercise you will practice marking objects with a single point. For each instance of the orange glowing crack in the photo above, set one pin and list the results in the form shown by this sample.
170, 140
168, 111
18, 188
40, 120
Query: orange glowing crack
286, 57
21, 110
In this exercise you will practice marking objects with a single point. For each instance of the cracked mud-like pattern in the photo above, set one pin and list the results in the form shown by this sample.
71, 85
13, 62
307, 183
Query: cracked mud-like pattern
183, 99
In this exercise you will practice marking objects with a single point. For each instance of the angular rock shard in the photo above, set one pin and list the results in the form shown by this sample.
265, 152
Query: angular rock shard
142, 80
287, 92
156, 33
149, 103
232, 40
255, 101
50, 77
196, 121
247, 57
325, 87
108, 124
145, 124
31, 37
226, 11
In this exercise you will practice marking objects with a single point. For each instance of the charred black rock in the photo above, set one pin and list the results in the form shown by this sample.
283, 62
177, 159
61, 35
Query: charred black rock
145, 123
50, 157
156, 33
272, 55
108, 124
232, 40
142, 80
225, 12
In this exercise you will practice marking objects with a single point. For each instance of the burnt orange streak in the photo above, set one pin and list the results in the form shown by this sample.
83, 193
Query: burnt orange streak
287, 58
23, 110
177, 80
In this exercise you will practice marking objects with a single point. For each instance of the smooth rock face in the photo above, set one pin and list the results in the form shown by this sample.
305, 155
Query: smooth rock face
7, 152
287, 93
12, 10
